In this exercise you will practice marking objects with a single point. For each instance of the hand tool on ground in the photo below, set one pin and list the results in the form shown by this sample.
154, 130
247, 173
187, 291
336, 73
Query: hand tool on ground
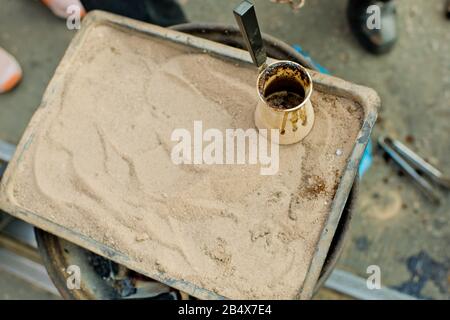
416, 167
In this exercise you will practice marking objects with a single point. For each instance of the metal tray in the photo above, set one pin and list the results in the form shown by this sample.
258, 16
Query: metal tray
365, 97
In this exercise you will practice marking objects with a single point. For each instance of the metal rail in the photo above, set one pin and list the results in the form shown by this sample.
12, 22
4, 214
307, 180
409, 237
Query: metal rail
356, 287
30, 271
20, 248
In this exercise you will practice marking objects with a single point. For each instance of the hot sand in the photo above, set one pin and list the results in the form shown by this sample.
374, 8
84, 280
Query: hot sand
99, 164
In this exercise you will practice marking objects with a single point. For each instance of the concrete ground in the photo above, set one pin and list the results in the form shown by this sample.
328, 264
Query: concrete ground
394, 226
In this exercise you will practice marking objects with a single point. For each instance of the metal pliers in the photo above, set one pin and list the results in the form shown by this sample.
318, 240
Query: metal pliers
416, 167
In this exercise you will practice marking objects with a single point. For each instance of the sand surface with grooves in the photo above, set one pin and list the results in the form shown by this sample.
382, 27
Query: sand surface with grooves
99, 164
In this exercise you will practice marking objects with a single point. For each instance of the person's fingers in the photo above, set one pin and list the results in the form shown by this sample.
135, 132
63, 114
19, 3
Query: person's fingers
10, 72
59, 7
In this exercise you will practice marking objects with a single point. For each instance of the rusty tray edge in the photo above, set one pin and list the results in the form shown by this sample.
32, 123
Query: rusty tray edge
365, 97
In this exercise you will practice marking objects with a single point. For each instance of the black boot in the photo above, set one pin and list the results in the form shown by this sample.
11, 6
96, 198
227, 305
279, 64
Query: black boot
161, 12
375, 40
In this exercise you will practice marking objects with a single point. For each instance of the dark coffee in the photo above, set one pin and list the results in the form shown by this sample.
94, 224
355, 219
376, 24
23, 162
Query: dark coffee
284, 93
284, 100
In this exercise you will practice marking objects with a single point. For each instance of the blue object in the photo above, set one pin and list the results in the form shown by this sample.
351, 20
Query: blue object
367, 159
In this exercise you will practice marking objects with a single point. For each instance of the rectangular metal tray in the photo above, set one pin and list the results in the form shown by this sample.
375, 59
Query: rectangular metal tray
365, 97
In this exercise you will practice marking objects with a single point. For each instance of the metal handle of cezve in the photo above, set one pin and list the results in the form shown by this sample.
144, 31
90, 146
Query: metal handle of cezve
248, 24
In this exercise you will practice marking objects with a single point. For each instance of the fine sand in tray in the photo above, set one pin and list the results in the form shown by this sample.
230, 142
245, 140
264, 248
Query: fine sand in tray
98, 163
